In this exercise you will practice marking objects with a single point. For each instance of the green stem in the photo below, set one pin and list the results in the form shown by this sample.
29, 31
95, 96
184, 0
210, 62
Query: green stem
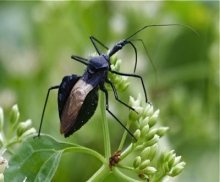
87, 151
126, 167
105, 128
127, 151
123, 176
124, 136
99, 175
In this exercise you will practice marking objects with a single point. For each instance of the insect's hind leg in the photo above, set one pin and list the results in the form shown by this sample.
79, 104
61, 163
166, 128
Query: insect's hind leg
94, 41
45, 104
135, 76
107, 108
116, 95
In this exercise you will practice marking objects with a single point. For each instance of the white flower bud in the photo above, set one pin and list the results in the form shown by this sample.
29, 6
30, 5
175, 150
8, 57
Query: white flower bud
137, 162
154, 117
177, 169
154, 140
144, 122
144, 164
177, 160
162, 130
137, 134
145, 153
149, 170
145, 130
23, 126
29, 132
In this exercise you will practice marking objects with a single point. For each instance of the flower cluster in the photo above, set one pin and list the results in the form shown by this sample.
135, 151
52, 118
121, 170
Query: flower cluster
15, 131
150, 163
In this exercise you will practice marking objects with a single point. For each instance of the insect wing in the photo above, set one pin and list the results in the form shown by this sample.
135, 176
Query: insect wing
70, 118
64, 90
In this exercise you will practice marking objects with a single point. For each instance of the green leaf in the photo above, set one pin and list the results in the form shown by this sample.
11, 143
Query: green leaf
36, 160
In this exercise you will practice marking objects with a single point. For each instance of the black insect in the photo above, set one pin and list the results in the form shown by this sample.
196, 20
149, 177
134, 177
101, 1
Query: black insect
78, 95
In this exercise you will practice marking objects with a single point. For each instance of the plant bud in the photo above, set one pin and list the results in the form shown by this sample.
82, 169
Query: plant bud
29, 132
177, 160
171, 160
153, 118
149, 170
177, 169
144, 122
151, 133
137, 162
23, 126
150, 110
137, 134
153, 151
144, 164
145, 130
14, 114
145, 153
154, 140
167, 155
162, 130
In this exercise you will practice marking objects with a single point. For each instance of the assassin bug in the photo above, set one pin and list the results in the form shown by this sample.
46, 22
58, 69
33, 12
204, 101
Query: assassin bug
78, 95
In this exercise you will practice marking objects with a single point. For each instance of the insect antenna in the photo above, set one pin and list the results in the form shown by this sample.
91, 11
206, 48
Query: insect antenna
161, 25
94, 41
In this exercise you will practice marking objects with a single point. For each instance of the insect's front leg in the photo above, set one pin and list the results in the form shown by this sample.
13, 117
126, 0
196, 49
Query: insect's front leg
116, 95
45, 104
102, 87
135, 76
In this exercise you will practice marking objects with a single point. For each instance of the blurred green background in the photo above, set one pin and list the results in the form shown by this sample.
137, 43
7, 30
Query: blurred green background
38, 38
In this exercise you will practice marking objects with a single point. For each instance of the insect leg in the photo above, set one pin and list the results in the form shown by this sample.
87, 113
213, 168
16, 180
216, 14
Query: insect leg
80, 59
45, 104
135, 51
116, 95
107, 108
136, 76
94, 41
147, 53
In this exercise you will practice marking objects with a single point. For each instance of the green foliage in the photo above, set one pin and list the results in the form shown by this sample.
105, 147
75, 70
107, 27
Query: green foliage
36, 160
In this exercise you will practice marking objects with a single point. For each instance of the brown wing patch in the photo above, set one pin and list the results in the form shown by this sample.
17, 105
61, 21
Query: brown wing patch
73, 105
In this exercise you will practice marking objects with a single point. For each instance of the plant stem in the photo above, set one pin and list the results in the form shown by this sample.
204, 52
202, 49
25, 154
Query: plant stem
127, 151
124, 136
123, 176
104, 123
87, 151
100, 174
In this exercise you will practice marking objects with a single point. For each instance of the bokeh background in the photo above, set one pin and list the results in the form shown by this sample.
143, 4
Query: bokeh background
38, 38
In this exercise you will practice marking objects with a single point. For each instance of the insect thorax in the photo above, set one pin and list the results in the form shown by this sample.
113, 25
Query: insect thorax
98, 63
